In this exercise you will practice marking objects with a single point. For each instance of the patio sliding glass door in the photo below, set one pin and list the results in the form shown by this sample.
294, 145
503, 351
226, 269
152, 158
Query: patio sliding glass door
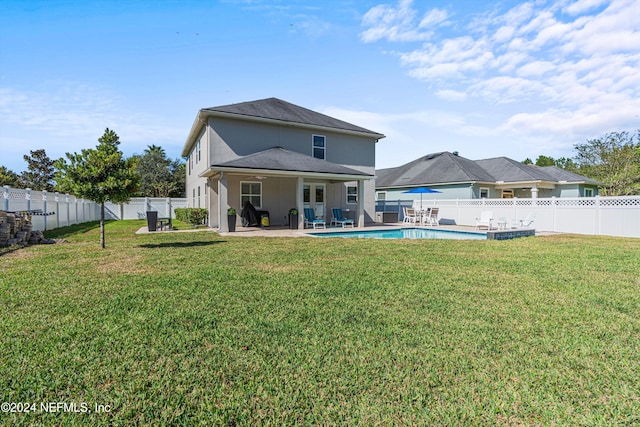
314, 198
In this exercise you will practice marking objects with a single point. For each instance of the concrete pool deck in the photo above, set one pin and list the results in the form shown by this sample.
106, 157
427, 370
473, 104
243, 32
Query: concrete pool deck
277, 231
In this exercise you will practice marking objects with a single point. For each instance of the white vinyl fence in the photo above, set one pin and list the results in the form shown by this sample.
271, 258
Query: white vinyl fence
610, 216
59, 210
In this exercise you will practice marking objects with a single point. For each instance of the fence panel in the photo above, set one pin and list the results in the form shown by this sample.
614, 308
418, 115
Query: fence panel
611, 216
64, 209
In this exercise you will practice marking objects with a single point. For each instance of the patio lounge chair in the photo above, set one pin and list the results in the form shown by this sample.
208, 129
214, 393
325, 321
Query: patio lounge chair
339, 219
311, 220
523, 222
485, 220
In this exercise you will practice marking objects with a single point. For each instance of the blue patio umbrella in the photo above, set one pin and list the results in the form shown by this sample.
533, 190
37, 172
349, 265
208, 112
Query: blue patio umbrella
421, 190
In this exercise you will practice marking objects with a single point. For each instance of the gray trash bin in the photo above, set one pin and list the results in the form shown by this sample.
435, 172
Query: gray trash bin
152, 220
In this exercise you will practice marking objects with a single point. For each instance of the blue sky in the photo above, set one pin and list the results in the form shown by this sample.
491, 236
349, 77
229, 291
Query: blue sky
486, 79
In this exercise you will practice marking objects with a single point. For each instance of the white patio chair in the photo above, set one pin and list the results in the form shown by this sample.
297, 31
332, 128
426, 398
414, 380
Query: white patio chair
523, 222
485, 220
409, 216
432, 217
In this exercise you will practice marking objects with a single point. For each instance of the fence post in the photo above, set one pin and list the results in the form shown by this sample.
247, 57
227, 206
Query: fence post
27, 195
5, 195
68, 216
553, 211
76, 203
57, 210
169, 207
44, 208
598, 215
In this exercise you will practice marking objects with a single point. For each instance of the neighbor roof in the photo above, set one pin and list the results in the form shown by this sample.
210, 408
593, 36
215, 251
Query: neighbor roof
437, 168
279, 159
564, 175
445, 167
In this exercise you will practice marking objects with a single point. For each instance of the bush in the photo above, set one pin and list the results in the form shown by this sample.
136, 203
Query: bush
194, 216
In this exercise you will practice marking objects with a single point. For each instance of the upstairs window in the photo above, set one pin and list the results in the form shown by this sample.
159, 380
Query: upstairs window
319, 147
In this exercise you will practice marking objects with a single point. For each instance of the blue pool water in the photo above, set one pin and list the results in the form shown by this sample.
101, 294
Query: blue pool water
406, 233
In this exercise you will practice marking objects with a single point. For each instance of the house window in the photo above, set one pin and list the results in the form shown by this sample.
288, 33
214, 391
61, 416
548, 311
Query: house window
352, 194
199, 153
381, 195
319, 147
484, 193
193, 199
251, 192
588, 192
507, 194
198, 196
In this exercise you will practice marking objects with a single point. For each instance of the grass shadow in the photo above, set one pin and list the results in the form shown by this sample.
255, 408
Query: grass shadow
82, 228
179, 244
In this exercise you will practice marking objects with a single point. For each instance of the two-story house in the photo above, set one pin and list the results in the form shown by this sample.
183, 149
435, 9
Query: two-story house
279, 156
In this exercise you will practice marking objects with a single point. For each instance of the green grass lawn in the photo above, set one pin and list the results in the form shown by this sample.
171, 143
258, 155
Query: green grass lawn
198, 329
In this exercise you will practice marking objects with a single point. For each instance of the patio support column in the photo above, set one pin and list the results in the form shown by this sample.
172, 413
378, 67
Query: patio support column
534, 192
300, 201
360, 209
223, 203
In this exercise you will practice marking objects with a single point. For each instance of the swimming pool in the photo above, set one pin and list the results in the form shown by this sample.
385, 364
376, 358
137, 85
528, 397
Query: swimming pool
405, 233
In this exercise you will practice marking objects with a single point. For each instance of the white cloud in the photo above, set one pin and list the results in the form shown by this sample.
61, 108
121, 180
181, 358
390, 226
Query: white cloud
582, 6
567, 68
451, 95
399, 23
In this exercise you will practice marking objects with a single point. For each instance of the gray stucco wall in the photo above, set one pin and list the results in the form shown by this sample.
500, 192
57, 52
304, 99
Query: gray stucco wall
231, 139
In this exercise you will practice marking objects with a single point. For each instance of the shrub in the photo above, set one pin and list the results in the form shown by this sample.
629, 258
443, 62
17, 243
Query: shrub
194, 216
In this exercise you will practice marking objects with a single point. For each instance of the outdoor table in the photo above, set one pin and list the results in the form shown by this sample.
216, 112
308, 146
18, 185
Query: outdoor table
163, 222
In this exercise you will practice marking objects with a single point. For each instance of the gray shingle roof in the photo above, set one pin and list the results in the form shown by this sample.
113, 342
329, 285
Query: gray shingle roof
277, 109
560, 174
509, 170
437, 168
441, 168
279, 159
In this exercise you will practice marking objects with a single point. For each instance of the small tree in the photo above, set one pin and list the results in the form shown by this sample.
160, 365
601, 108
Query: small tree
614, 160
99, 174
545, 161
40, 171
8, 177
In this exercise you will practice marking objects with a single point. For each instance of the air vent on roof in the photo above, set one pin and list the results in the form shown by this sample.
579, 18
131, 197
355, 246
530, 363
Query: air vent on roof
455, 153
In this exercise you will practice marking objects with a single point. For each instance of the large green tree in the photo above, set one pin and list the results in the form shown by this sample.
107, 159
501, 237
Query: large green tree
8, 177
613, 160
100, 174
159, 175
40, 172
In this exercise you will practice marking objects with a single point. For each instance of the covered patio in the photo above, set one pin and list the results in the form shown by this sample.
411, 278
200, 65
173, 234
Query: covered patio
277, 180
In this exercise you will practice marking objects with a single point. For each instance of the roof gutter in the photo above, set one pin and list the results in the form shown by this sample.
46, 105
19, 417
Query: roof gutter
214, 171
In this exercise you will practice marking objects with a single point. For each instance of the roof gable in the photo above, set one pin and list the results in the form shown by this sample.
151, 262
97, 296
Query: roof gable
434, 168
279, 110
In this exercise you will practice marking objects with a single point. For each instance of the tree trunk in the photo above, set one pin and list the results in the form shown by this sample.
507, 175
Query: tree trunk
102, 225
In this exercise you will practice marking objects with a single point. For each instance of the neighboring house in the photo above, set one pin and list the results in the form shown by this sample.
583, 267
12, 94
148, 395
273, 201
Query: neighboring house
279, 156
459, 178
